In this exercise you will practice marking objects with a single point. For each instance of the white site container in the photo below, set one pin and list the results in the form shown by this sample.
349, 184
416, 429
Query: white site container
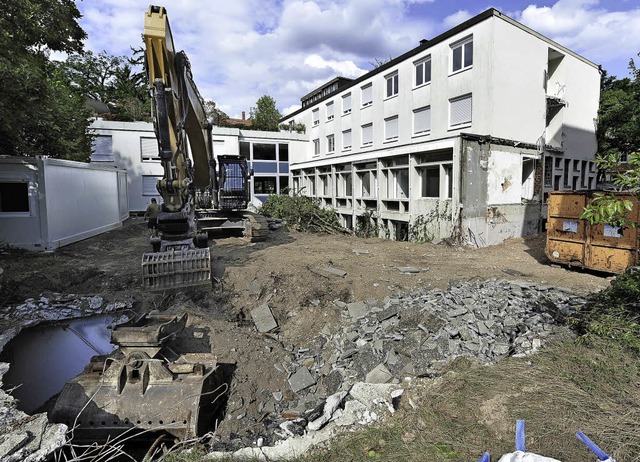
47, 203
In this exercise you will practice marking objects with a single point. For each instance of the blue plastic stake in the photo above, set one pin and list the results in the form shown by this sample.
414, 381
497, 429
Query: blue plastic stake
592, 446
520, 435
485, 458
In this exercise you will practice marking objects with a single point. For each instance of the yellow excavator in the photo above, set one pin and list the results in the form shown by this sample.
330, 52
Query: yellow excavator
201, 193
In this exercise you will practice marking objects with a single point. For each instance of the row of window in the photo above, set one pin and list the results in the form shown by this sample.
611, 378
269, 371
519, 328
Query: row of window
461, 58
435, 182
460, 112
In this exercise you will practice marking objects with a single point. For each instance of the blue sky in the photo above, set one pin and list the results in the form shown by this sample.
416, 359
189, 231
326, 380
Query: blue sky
242, 49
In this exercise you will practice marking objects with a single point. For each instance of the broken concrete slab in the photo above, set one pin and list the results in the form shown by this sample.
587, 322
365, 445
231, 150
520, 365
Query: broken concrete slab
301, 380
357, 310
330, 405
380, 374
263, 318
335, 271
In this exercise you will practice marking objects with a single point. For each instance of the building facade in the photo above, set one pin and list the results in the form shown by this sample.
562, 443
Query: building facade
133, 146
459, 137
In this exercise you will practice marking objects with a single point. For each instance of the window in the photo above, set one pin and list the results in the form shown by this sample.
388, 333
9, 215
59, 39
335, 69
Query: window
316, 116
391, 128
423, 72
102, 149
316, 147
14, 197
245, 149
149, 185
218, 147
264, 151
149, 149
392, 85
367, 134
264, 185
422, 120
462, 54
460, 111
528, 178
284, 152
436, 175
367, 95
346, 139
331, 143
330, 111
436, 181
346, 104
548, 171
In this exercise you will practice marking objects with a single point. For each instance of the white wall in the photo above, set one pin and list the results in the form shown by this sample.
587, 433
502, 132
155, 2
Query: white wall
127, 154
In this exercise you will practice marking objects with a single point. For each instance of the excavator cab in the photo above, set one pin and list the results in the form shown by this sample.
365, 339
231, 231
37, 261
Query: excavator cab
233, 183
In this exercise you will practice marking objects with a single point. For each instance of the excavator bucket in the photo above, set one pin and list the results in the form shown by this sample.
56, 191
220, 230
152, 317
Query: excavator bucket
176, 268
138, 391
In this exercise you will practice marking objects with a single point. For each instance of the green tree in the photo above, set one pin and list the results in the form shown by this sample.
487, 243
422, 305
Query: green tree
113, 81
265, 115
618, 133
40, 113
214, 115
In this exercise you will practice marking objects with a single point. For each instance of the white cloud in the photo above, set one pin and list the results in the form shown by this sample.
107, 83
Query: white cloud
342, 68
605, 37
248, 48
456, 18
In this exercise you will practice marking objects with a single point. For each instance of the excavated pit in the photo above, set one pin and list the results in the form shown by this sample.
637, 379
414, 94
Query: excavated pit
43, 358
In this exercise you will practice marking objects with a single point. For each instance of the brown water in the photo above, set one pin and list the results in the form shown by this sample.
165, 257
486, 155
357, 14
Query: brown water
44, 358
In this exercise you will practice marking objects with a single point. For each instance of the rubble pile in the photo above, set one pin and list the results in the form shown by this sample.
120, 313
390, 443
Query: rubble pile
412, 335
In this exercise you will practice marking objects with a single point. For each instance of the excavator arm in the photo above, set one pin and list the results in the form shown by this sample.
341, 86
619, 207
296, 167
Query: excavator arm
181, 254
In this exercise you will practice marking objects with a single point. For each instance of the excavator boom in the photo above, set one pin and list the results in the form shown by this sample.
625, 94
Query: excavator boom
181, 254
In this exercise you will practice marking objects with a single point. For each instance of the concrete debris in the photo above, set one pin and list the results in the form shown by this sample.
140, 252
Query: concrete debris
360, 252
409, 269
357, 310
263, 319
351, 374
330, 407
301, 380
335, 271
379, 375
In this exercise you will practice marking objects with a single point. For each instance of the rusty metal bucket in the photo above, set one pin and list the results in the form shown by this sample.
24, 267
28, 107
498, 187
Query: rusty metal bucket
137, 390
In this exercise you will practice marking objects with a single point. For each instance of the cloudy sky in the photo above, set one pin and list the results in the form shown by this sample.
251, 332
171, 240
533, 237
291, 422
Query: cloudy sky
243, 49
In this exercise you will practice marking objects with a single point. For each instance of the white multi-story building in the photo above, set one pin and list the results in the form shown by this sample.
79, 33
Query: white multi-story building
133, 146
459, 137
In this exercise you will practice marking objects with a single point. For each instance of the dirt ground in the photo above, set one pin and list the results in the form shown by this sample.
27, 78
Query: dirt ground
286, 272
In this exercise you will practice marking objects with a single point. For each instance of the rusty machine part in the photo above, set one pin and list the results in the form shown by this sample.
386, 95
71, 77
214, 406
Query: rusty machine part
138, 391
574, 242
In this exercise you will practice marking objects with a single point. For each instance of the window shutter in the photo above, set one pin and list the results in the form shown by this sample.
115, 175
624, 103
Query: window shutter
316, 116
346, 139
329, 111
149, 148
367, 95
422, 120
367, 134
102, 149
346, 104
460, 110
391, 128
149, 185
